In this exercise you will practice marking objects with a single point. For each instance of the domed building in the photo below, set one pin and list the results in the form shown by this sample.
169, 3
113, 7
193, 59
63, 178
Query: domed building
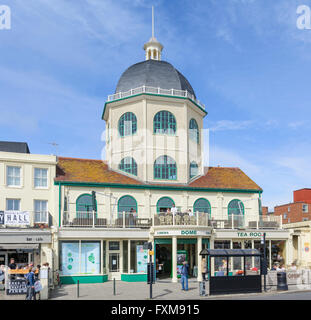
153, 186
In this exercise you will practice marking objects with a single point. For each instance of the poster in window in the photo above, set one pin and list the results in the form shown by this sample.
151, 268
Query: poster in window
142, 259
90, 258
70, 258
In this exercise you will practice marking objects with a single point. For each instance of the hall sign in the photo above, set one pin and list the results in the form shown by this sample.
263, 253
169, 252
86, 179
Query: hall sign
13, 218
186, 232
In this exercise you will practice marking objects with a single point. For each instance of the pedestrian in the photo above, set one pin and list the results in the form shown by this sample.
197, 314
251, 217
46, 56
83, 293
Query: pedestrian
174, 210
184, 276
37, 278
203, 268
293, 267
280, 268
12, 266
2, 275
30, 283
190, 213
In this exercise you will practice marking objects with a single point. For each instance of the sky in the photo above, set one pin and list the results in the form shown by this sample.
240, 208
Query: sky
246, 60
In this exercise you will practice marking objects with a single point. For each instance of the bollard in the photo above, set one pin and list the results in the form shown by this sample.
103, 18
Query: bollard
282, 281
114, 286
78, 289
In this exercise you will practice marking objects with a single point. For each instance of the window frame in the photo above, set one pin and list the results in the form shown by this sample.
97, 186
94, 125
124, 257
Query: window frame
34, 178
20, 185
13, 199
160, 123
193, 137
197, 167
209, 204
162, 169
125, 196
243, 207
133, 166
121, 119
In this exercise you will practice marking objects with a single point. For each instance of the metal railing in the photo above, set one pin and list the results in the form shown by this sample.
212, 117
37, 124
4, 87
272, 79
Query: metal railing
24, 219
129, 220
153, 90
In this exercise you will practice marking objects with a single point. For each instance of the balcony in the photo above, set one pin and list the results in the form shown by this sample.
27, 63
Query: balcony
25, 219
128, 220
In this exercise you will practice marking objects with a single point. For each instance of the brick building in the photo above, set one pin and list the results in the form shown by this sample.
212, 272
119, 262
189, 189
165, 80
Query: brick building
297, 211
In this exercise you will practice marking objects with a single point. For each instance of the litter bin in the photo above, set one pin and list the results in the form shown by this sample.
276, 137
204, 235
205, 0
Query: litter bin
202, 288
282, 281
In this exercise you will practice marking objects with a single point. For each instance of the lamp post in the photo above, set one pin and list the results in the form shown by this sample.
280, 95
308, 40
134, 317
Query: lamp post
263, 241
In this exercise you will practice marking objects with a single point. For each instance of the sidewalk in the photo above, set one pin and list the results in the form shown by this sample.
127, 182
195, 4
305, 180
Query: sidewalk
161, 290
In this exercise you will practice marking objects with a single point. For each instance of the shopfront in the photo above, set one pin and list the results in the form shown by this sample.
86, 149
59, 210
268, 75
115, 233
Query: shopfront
276, 247
173, 246
24, 246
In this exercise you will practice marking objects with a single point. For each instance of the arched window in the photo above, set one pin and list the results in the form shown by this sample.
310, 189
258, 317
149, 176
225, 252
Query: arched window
84, 206
128, 165
202, 205
164, 122
194, 169
126, 204
164, 203
165, 168
194, 130
235, 207
127, 124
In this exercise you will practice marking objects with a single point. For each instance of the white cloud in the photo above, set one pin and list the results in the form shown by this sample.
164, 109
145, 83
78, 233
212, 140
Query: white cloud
231, 125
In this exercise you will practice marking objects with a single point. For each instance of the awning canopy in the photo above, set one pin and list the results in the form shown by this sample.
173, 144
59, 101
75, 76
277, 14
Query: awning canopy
19, 246
230, 252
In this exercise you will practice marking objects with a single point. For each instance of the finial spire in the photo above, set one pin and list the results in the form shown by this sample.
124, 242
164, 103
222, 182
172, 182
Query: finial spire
153, 47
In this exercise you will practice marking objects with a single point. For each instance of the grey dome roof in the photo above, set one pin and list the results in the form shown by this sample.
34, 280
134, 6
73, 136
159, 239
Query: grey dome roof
153, 73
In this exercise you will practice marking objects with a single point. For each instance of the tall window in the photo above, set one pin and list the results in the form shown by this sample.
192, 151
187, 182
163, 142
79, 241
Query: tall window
194, 130
127, 124
194, 169
235, 207
13, 204
165, 168
41, 208
128, 165
164, 122
164, 203
202, 205
13, 176
41, 178
127, 204
84, 206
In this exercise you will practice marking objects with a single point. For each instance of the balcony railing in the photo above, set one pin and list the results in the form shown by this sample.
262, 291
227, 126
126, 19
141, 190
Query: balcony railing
25, 219
129, 220
153, 90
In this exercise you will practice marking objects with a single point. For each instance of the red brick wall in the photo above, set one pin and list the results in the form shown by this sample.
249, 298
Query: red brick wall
264, 211
295, 213
302, 195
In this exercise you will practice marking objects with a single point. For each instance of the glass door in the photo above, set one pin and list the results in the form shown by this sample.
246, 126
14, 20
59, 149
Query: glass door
114, 260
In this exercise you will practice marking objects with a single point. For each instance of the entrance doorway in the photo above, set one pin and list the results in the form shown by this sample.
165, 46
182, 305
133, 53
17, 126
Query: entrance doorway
163, 260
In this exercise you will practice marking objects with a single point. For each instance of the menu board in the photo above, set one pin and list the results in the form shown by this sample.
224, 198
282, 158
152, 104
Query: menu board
142, 259
70, 258
90, 258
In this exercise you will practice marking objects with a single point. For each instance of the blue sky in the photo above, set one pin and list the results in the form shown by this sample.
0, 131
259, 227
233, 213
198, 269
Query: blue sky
246, 60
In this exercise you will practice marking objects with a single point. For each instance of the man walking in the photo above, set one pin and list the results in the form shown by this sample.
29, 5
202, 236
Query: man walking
30, 281
184, 276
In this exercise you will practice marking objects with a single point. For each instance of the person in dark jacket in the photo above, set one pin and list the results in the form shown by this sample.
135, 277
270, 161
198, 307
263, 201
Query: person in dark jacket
184, 276
30, 281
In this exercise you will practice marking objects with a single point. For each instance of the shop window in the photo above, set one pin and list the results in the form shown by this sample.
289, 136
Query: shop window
219, 264
164, 122
128, 165
127, 204
40, 178
13, 177
13, 204
237, 261
80, 258
194, 169
139, 257
277, 251
84, 206
164, 203
104, 257
127, 124
114, 245
194, 130
165, 168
